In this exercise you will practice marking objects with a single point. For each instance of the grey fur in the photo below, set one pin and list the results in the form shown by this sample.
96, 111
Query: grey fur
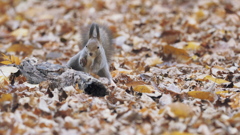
105, 39
96, 52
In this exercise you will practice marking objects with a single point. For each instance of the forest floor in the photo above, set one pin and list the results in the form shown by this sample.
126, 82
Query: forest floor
176, 67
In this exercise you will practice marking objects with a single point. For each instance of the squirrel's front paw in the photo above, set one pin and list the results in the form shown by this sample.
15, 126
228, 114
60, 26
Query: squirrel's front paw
83, 62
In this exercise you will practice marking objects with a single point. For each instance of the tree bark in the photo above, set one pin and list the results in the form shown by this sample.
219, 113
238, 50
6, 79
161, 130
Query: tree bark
60, 76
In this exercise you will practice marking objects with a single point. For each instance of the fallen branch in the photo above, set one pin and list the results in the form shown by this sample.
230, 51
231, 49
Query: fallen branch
60, 76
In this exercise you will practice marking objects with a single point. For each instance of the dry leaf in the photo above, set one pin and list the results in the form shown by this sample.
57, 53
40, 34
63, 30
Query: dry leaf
144, 89
3, 19
7, 70
27, 50
43, 106
218, 81
153, 61
21, 32
10, 60
180, 54
192, 46
176, 133
135, 83
205, 95
235, 101
171, 36
6, 97
180, 110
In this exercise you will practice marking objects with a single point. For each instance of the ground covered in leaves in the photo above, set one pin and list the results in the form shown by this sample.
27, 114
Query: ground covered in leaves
176, 67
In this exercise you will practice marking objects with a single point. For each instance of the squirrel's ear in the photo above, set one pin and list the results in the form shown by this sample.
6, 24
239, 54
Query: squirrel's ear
91, 30
98, 35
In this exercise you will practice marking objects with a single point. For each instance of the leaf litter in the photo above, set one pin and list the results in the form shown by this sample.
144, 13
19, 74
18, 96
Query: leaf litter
176, 67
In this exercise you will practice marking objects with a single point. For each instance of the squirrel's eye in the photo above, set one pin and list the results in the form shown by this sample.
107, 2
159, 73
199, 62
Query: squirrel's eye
98, 47
86, 45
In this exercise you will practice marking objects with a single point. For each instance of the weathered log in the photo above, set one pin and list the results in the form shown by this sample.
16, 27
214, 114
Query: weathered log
60, 76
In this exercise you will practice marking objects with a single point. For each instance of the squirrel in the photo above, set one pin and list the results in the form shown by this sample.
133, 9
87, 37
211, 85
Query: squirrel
97, 50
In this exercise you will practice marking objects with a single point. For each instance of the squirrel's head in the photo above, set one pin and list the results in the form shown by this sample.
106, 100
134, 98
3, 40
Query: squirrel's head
93, 45
93, 48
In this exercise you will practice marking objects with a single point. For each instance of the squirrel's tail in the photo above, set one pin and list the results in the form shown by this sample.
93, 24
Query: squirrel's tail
103, 34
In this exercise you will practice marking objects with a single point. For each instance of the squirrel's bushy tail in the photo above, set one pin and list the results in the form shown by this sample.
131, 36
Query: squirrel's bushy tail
105, 37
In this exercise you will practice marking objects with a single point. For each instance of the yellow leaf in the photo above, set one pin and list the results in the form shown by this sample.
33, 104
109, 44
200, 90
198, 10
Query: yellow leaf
12, 58
15, 59
192, 46
195, 57
222, 92
160, 111
200, 14
176, 133
205, 95
144, 89
218, 81
6, 62
22, 32
5, 97
237, 115
5, 56
180, 110
178, 53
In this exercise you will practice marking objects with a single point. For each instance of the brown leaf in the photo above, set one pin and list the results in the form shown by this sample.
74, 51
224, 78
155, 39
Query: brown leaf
171, 36
27, 50
180, 54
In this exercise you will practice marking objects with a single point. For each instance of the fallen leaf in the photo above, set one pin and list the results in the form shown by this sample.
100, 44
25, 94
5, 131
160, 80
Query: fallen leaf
21, 32
177, 133
135, 83
120, 71
180, 54
43, 106
144, 89
171, 36
3, 19
7, 70
153, 61
204, 95
180, 110
235, 101
27, 50
5, 97
10, 60
166, 99
218, 81
192, 46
